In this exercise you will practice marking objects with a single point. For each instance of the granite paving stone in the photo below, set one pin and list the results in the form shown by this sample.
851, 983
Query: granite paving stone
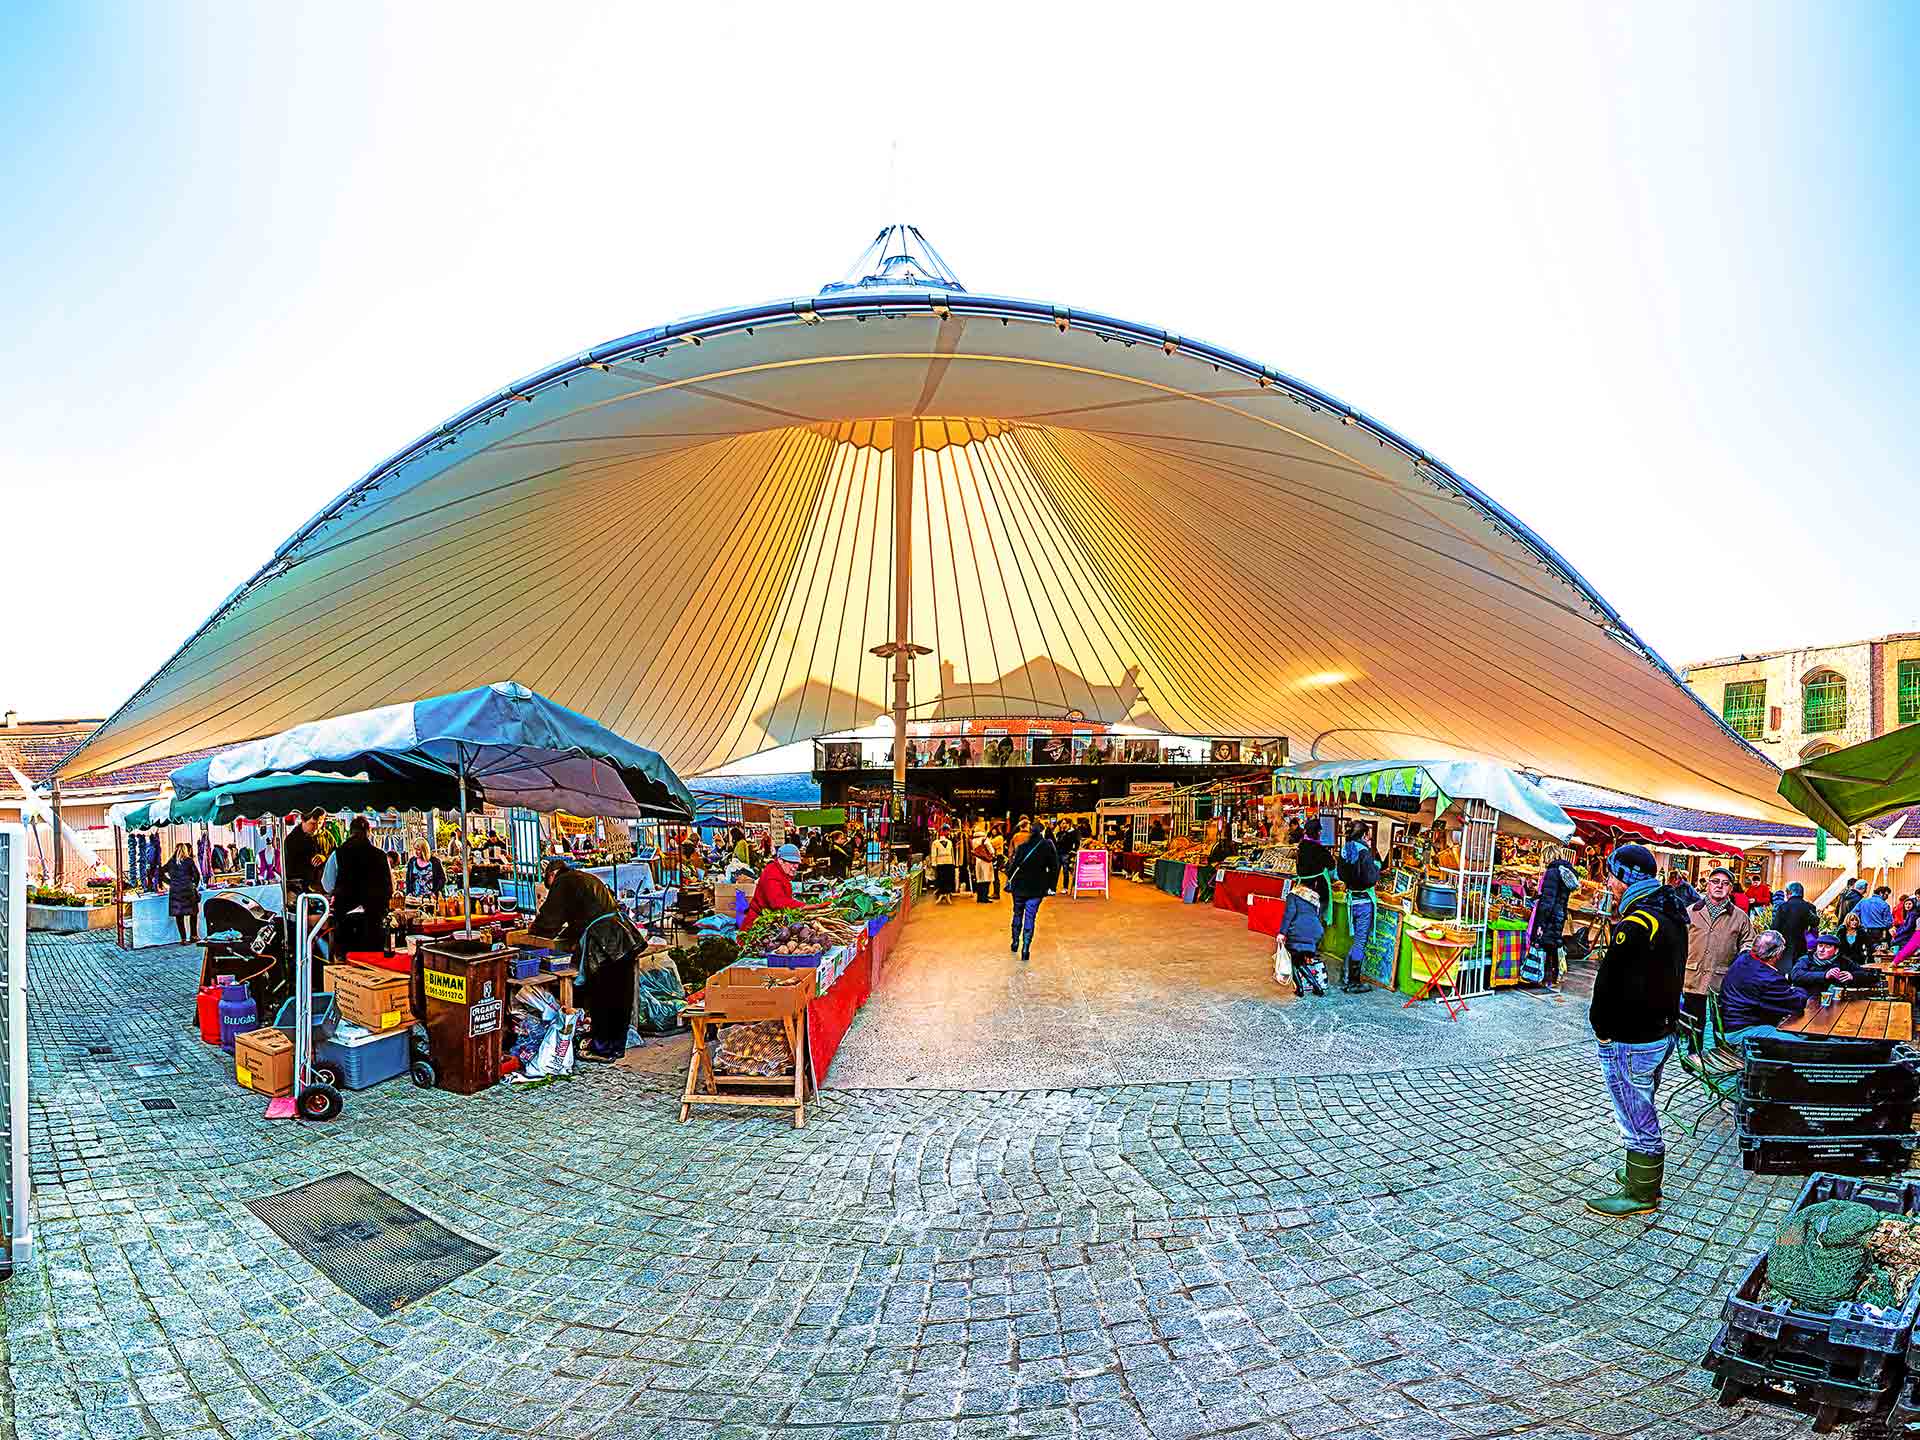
1338, 1220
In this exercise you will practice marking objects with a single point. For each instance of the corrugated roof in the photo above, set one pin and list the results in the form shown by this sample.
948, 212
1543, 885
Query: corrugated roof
1574, 795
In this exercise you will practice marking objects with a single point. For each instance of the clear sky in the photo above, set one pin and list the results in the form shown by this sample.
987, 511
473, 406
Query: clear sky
1646, 274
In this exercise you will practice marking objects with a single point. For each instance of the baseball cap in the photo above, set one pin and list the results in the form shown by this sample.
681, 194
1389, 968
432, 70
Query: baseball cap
790, 853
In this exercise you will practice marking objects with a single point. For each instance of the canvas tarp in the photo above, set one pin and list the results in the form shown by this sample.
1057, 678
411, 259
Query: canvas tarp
1442, 781
689, 535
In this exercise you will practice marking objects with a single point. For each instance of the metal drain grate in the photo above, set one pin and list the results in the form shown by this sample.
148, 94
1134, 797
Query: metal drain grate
384, 1253
153, 1104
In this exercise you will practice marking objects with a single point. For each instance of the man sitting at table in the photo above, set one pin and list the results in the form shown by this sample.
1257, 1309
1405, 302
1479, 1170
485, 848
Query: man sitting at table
581, 914
1827, 966
1755, 997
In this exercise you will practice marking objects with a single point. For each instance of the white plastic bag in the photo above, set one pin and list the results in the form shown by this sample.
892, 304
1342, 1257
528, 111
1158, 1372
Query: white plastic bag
1282, 964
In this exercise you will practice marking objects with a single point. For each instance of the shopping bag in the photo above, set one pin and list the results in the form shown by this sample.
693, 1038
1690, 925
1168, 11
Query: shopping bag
1282, 964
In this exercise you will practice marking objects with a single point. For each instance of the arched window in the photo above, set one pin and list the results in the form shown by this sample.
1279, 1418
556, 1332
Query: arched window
1823, 697
1817, 749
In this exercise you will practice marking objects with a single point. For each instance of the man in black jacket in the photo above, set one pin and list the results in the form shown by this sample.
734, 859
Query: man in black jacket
1795, 919
362, 891
581, 914
1636, 1003
1031, 868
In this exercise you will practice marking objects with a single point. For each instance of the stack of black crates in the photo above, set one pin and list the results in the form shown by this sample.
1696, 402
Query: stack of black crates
1808, 1105
1846, 1363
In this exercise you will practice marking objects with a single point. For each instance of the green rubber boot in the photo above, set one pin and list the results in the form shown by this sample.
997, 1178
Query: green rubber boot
1641, 1191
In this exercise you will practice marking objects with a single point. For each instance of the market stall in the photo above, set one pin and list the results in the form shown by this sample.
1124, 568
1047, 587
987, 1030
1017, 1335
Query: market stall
1441, 929
506, 746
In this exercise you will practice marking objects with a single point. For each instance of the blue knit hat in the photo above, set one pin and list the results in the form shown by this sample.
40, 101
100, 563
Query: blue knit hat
1633, 862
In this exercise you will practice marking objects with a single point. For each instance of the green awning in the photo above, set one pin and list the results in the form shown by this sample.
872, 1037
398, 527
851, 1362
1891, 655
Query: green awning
1838, 791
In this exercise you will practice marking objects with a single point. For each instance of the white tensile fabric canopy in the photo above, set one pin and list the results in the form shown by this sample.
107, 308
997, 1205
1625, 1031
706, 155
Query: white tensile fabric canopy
690, 536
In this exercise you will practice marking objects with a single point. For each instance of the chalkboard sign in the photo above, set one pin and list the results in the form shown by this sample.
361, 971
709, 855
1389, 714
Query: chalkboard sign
1383, 945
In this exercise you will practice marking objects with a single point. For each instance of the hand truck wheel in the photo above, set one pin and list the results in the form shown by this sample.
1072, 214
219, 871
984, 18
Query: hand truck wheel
319, 1102
423, 1073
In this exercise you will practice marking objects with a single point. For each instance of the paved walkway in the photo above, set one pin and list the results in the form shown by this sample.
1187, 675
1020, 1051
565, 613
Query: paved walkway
1370, 1255
1140, 987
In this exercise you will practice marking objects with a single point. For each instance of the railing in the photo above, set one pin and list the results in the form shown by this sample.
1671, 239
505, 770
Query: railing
16, 1207
944, 752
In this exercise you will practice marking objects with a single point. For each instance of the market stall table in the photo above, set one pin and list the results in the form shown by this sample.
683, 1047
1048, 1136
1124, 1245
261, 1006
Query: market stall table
1236, 888
1861, 1019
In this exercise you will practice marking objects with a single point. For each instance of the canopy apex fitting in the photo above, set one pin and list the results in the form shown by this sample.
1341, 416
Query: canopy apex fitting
899, 256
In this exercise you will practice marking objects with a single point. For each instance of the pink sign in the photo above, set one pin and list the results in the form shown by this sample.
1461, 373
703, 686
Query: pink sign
1091, 867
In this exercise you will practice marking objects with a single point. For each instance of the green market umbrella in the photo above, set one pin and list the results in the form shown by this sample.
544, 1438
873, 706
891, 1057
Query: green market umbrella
1839, 790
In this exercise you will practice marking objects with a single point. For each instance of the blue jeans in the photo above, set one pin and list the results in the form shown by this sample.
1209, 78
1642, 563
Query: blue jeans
1772, 1031
1633, 1074
1025, 912
1361, 915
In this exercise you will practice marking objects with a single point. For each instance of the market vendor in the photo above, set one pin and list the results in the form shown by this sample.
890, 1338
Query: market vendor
303, 856
774, 889
1313, 865
581, 914
426, 876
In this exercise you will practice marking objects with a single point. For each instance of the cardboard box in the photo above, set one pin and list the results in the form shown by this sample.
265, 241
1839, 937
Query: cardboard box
746, 993
375, 1000
263, 1061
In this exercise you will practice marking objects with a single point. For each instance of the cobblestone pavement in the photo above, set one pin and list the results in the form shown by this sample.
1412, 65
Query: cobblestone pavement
1395, 1255
1140, 987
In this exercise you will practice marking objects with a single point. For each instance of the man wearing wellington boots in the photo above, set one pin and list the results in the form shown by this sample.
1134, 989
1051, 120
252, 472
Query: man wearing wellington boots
1636, 1005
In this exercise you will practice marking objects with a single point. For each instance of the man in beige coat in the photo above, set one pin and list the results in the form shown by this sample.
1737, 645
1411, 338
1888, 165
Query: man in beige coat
1717, 931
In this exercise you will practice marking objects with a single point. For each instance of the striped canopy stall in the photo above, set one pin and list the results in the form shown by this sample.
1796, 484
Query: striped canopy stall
699, 535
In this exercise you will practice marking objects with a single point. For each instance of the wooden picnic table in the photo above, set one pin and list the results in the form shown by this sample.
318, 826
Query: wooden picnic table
1861, 1019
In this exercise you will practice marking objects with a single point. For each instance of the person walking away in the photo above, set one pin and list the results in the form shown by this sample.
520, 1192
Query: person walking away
1755, 997
1030, 875
1717, 931
357, 877
182, 877
1636, 1003
1558, 884
774, 889
980, 857
1359, 872
426, 876
997, 840
1875, 914
581, 914
300, 856
1301, 928
1795, 919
